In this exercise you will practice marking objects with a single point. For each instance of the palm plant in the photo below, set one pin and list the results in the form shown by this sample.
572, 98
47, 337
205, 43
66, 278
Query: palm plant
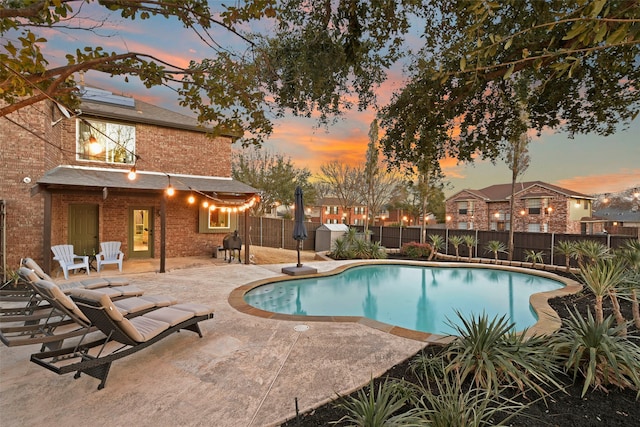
590, 252
456, 241
568, 250
377, 409
595, 350
453, 404
493, 355
437, 243
361, 249
602, 278
341, 249
470, 241
534, 257
495, 246
377, 251
630, 252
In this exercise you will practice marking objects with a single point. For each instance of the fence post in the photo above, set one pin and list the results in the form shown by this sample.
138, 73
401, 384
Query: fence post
282, 233
446, 241
609, 240
400, 240
477, 256
261, 231
553, 240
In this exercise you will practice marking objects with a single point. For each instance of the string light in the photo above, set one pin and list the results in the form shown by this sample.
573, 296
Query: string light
191, 199
94, 146
170, 190
132, 174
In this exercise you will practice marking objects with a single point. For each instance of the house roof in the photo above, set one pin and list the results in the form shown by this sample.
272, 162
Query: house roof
613, 214
100, 178
502, 192
104, 104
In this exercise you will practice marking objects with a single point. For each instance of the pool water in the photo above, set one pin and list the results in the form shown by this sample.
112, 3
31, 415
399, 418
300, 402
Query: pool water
420, 298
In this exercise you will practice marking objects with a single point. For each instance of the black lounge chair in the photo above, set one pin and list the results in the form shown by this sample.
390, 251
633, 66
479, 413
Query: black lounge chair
50, 316
95, 358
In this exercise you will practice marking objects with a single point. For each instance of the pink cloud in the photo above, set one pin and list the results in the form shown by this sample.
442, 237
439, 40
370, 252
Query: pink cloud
602, 183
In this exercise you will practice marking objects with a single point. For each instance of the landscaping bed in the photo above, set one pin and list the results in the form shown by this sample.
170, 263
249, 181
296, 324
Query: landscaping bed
616, 407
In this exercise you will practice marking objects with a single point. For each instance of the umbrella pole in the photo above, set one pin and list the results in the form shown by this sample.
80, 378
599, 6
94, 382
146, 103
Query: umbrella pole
299, 242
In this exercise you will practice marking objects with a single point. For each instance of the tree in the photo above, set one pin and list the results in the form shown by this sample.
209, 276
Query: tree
517, 160
223, 90
380, 183
274, 175
346, 183
579, 59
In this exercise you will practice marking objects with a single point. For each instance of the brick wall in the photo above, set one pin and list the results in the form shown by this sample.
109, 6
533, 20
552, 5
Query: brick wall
23, 155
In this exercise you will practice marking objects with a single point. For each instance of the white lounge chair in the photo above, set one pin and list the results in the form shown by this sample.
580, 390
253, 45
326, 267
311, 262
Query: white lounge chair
68, 260
110, 253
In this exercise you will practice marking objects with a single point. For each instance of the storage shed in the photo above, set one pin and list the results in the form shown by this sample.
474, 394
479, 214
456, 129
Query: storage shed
326, 234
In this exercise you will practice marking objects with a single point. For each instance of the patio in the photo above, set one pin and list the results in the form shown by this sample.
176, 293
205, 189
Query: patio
246, 371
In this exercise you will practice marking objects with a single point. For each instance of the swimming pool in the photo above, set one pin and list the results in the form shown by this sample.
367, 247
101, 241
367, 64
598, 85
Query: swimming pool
413, 297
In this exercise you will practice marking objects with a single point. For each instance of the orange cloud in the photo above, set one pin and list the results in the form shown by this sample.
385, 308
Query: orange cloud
603, 183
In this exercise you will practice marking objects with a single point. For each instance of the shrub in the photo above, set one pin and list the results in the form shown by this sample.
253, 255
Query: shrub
416, 250
595, 351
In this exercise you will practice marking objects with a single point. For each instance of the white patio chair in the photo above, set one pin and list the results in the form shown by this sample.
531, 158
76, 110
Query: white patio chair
110, 253
68, 260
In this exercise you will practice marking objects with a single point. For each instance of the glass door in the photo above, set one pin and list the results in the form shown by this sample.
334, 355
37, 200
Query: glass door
141, 232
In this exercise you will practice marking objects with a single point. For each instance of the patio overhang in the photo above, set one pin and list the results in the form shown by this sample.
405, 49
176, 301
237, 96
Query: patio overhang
67, 179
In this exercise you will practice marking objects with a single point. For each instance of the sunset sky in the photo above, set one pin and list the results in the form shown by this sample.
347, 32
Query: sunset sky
589, 164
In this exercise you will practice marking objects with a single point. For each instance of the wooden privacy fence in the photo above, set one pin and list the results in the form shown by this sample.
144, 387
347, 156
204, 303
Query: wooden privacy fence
278, 233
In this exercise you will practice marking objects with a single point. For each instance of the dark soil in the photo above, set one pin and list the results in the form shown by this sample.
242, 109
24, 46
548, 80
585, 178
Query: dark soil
613, 408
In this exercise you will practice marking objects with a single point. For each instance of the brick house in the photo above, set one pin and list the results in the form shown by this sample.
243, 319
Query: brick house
65, 180
539, 207
331, 212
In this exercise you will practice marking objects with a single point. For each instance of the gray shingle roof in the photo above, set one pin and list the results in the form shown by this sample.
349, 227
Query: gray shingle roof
79, 176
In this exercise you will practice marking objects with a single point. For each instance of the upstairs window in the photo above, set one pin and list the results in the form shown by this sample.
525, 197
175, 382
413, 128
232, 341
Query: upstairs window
464, 208
534, 206
106, 142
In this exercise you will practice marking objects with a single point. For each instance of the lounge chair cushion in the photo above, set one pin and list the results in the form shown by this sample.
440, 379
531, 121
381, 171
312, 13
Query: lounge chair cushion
160, 300
31, 264
95, 283
196, 309
133, 305
102, 298
142, 328
52, 291
169, 315
29, 274
117, 281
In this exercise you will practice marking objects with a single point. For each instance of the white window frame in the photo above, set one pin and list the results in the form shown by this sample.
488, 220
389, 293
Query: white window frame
118, 141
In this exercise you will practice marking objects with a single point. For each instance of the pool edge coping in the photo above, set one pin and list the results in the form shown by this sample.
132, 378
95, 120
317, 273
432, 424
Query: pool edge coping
548, 319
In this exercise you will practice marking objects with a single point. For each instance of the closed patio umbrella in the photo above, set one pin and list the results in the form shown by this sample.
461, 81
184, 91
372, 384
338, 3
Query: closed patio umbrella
299, 229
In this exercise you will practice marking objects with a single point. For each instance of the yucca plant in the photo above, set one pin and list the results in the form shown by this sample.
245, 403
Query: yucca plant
590, 252
378, 409
456, 241
341, 249
491, 354
630, 252
534, 257
495, 247
602, 278
568, 250
377, 251
452, 404
596, 351
361, 249
437, 243
470, 241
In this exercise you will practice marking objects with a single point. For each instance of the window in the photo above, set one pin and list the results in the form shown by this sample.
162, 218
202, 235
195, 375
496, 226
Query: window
327, 209
218, 219
586, 204
463, 208
534, 206
533, 228
114, 142
462, 226
335, 210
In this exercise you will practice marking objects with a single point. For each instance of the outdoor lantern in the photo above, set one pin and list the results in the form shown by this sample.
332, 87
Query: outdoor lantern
94, 146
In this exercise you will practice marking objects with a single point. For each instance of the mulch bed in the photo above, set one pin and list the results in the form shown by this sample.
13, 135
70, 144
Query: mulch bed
614, 408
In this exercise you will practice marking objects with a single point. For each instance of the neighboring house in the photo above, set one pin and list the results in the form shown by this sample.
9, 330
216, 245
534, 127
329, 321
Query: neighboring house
331, 212
620, 221
65, 180
538, 207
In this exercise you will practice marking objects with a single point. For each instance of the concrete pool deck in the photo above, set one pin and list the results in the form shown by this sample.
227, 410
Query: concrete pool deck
247, 370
